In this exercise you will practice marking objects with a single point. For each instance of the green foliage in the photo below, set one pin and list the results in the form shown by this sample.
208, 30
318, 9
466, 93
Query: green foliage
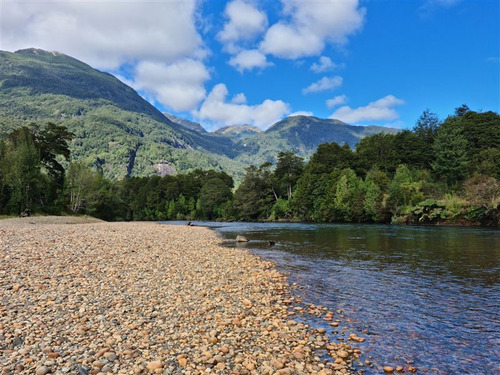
214, 193
379, 152
451, 159
288, 171
487, 162
349, 196
404, 190
427, 126
373, 202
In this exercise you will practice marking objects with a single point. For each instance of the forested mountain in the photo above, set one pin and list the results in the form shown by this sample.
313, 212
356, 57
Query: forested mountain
119, 133
115, 128
303, 135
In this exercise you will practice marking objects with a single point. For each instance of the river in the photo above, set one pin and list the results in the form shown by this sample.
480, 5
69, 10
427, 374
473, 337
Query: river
428, 297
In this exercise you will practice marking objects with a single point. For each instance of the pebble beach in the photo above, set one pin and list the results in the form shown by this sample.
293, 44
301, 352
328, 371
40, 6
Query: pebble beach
80, 296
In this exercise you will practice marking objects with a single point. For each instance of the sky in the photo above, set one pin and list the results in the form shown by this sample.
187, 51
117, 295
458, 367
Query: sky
380, 62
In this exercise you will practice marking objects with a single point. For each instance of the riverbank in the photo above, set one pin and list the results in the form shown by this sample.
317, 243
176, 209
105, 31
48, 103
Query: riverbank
147, 298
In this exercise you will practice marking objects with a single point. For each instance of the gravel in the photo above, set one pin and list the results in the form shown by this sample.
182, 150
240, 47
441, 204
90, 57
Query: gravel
131, 298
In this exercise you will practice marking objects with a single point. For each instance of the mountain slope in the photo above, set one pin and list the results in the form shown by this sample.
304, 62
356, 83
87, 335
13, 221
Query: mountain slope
239, 131
303, 134
115, 128
186, 123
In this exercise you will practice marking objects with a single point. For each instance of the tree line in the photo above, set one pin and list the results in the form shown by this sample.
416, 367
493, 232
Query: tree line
440, 171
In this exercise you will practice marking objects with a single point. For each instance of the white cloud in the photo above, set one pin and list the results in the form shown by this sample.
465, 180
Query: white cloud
245, 22
301, 113
239, 99
248, 60
337, 100
324, 64
379, 110
308, 26
105, 34
179, 86
325, 83
217, 111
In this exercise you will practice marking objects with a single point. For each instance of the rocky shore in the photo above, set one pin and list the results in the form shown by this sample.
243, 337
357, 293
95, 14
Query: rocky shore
132, 298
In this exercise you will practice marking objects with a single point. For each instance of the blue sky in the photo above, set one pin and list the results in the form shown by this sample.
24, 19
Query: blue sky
256, 61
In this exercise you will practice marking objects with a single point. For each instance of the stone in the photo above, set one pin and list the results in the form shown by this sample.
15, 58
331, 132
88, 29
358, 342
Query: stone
342, 354
250, 366
42, 370
277, 364
154, 365
388, 369
240, 238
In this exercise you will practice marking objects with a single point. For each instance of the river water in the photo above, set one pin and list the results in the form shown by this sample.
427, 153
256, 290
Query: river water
428, 297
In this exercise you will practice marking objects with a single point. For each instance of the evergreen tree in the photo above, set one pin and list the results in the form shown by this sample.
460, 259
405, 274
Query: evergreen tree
427, 126
450, 148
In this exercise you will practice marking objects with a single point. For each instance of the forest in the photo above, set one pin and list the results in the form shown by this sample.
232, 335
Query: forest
440, 172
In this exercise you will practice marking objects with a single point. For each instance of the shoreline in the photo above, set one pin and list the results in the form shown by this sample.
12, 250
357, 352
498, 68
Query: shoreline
141, 297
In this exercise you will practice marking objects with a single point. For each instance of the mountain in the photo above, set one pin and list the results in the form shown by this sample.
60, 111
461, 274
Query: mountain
186, 123
124, 135
303, 134
114, 127
239, 131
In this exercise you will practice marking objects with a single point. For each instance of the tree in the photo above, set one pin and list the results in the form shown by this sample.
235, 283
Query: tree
288, 170
462, 110
404, 189
253, 199
378, 151
81, 188
481, 130
372, 202
348, 201
487, 162
52, 141
329, 156
427, 126
413, 150
214, 193
375, 185
450, 148
22, 172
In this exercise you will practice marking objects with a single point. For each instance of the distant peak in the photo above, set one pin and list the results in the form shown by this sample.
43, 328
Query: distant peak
38, 51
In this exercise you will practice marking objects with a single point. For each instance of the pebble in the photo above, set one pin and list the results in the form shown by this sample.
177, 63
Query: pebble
154, 365
42, 370
132, 298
